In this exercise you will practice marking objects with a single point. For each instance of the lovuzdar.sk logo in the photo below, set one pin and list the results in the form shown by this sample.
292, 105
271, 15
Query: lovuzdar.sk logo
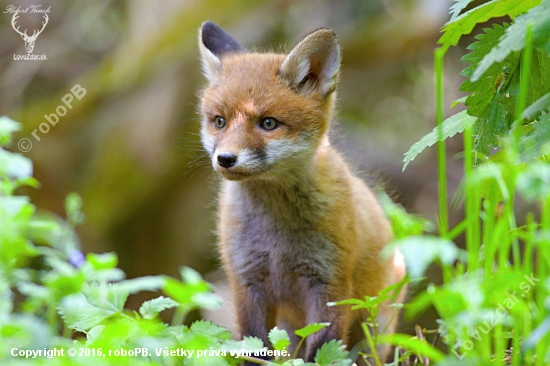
29, 39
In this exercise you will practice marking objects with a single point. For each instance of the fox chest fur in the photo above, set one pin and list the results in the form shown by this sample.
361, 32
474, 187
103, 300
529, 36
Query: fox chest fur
272, 238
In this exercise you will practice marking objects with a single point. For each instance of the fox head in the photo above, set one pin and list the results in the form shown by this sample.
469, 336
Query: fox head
265, 115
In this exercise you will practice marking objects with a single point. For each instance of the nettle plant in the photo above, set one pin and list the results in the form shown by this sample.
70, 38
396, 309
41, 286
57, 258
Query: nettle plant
494, 301
54, 297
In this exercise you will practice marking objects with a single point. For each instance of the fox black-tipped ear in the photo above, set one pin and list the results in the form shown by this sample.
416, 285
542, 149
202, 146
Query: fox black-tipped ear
314, 63
213, 43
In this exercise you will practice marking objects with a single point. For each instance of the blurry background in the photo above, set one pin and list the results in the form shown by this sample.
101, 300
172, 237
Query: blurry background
130, 145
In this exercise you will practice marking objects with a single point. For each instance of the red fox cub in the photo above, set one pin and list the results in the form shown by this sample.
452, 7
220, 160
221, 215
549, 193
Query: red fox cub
296, 228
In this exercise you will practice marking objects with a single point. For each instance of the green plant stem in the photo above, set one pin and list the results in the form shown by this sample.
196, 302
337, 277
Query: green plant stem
179, 315
259, 361
441, 152
472, 203
499, 342
298, 347
525, 67
372, 344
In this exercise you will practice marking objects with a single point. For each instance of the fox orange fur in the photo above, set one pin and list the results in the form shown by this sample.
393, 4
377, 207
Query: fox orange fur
297, 229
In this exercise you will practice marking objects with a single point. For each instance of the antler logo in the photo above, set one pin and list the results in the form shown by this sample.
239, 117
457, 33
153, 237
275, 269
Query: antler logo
29, 40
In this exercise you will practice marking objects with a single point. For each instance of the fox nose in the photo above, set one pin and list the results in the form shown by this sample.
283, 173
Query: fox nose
227, 160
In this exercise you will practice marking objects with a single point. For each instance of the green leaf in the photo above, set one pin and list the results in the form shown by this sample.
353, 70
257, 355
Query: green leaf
493, 98
535, 144
151, 308
279, 338
73, 205
534, 183
420, 347
190, 276
490, 98
6, 296
420, 251
465, 23
537, 334
61, 286
459, 101
194, 292
458, 7
403, 223
7, 128
514, 38
14, 165
332, 353
213, 331
247, 344
310, 329
90, 307
145, 283
540, 105
102, 261
296, 362
93, 334
451, 126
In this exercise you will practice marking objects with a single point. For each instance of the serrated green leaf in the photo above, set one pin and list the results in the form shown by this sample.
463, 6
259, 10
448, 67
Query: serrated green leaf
279, 338
252, 343
151, 308
206, 328
332, 353
194, 292
540, 105
413, 344
465, 23
310, 329
92, 305
61, 286
490, 97
457, 7
493, 98
534, 145
93, 334
431, 249
451, 126
514, 38
247, 344
145, 283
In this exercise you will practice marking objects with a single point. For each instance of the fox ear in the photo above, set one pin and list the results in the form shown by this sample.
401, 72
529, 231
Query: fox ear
313, 64
213, 43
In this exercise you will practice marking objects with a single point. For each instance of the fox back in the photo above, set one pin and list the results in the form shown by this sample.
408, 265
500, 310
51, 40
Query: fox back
296, 228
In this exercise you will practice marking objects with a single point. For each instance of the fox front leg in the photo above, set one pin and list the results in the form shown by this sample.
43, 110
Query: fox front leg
319, 312
255, 316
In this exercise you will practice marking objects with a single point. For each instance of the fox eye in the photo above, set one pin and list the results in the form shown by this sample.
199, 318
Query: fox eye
220, 122
269, 123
